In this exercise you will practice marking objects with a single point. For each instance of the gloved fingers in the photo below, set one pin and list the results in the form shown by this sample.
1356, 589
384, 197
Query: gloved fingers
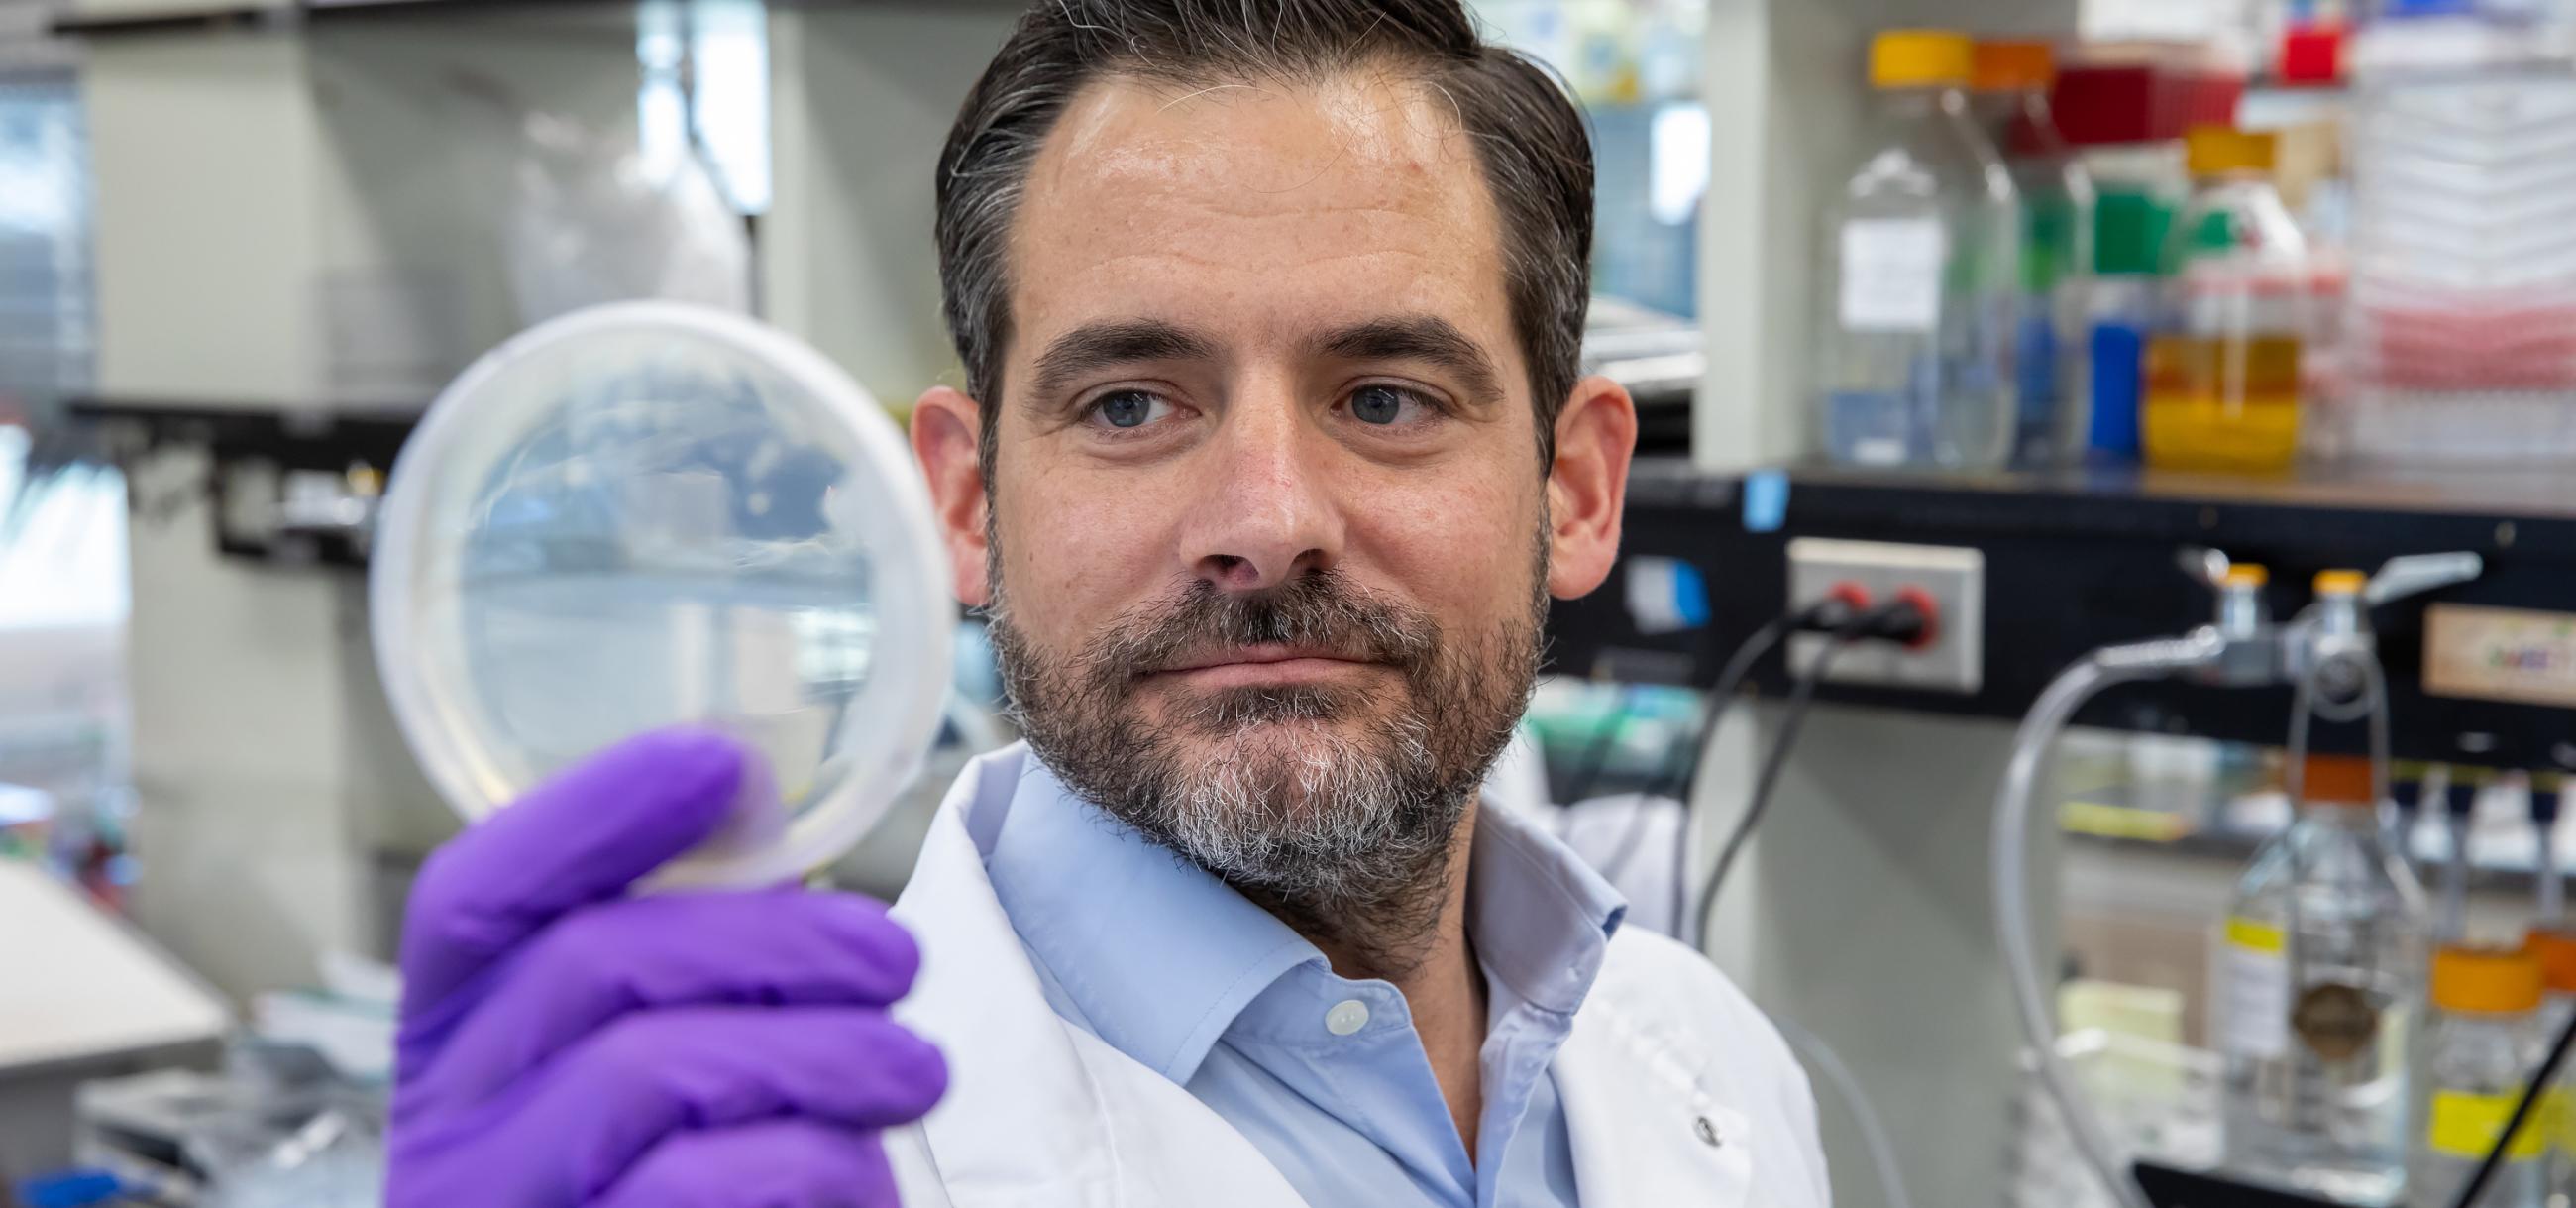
580, 838
574, 1129
670, 950
770, 1164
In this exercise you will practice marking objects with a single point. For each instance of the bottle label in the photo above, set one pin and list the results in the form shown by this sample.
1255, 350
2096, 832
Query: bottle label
2463, 1125
1891, 274
2254, 990
2334, 1020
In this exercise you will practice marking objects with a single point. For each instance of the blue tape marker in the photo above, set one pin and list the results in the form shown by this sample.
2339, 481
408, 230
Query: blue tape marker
1766, 501
1690, 595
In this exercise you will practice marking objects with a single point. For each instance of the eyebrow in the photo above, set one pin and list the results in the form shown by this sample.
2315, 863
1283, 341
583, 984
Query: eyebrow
1099, 346
1426, 338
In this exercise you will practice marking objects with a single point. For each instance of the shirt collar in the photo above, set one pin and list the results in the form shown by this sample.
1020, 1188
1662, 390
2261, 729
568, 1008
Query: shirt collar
1539, 917
1159, 957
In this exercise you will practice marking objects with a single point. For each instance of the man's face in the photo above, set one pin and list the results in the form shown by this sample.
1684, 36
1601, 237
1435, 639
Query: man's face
1269, 537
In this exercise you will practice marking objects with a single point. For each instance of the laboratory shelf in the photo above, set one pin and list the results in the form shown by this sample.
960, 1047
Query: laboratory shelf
255, 457
223, 18
2078, 559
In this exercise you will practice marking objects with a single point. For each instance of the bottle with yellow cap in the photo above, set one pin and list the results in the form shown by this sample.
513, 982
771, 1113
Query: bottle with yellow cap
2319, 968
1914, 355
2480, 1046
2222, 371
2010, 87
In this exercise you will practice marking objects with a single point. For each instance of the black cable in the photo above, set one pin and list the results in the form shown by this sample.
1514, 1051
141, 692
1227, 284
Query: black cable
1802, 697
2531, 1093
1903, 619
1721, 697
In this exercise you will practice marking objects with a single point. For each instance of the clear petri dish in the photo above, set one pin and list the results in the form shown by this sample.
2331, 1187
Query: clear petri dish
649, 514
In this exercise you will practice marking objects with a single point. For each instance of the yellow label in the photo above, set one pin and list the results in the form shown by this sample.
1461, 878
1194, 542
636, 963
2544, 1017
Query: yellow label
2555, 1123
2261, 937
2465, 1126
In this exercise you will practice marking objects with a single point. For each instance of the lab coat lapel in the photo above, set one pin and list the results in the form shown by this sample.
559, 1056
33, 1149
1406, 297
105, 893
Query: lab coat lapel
1039, 1112
1646, 1131
1019, 1124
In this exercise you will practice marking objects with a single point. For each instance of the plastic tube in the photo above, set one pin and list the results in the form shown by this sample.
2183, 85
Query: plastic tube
2048, 716
1873, 1131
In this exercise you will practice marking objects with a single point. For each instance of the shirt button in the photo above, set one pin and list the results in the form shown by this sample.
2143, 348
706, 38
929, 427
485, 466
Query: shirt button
1346, 1017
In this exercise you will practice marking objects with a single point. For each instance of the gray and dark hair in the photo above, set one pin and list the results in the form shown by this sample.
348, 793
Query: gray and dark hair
1529, 139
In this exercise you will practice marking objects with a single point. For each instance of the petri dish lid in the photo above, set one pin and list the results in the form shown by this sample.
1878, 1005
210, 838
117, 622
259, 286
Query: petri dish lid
647, 514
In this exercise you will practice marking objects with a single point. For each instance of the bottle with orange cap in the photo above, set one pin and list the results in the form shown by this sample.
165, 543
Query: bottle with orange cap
2010, 84
2479, 1048
2554, 944
2319, 969
1914, 346
2222, 372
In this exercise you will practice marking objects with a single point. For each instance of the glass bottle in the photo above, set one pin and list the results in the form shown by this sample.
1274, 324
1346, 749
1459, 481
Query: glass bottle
2222, 372
2320, 966
1914, 350
2480, 1046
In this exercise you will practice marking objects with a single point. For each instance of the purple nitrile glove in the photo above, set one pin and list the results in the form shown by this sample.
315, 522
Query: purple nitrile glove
563, 1044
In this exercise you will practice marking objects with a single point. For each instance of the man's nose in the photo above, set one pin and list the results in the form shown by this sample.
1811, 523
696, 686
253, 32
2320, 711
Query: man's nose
1266, 514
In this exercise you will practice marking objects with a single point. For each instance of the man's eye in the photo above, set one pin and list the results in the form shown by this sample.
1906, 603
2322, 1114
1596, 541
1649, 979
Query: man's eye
1129, 409
1388, 405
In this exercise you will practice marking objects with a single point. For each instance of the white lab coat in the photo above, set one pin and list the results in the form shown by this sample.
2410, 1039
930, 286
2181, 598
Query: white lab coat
1677, 1091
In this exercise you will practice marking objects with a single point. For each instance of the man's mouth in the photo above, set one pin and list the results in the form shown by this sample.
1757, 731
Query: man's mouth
1266, 664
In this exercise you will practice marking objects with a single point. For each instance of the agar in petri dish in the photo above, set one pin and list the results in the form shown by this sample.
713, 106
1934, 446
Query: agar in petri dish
649, 514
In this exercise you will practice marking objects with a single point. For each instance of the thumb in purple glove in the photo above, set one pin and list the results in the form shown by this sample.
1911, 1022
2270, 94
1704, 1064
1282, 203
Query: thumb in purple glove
563, 1043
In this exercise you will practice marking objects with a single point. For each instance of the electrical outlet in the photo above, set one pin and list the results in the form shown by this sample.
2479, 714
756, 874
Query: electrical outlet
1955, 579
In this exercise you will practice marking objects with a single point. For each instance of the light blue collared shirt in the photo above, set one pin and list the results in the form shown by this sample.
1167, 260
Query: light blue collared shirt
1325, 1075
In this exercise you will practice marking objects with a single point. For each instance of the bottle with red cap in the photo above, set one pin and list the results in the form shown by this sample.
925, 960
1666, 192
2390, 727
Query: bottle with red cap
2319, 966
2011, 83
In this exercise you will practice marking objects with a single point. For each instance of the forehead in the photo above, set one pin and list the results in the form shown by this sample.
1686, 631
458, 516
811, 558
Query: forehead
1284, 206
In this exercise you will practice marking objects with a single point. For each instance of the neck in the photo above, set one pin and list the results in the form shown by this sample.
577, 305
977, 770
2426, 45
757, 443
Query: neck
1420, 945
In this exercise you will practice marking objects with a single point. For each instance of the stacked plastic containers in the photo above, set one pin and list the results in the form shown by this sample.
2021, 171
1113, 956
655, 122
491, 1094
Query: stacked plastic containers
2223, 370
1915, 355
2012, 81
2461, 326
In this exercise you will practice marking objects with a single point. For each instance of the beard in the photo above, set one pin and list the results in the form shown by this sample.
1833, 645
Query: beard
1337, 807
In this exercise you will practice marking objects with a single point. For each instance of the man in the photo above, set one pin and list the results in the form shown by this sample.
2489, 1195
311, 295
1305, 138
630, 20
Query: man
1272, 449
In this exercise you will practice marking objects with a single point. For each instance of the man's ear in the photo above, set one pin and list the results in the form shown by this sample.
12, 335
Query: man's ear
947, 428
1588, 486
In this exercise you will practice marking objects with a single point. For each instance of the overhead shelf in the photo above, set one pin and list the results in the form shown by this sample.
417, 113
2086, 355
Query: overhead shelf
2079, 559
181, 19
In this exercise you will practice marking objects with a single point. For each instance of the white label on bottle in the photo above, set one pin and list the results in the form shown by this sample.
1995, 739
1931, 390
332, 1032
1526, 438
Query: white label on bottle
1891, 274
2254, 991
